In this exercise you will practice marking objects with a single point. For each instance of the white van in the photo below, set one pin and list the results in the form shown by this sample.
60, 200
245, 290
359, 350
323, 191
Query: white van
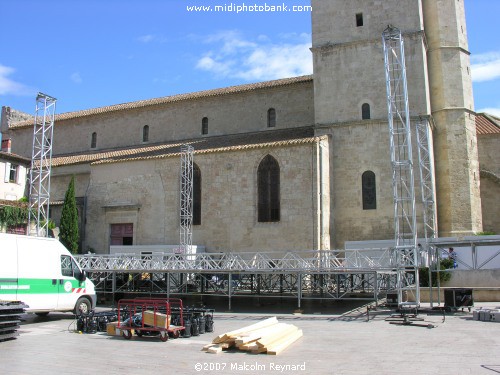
42, 273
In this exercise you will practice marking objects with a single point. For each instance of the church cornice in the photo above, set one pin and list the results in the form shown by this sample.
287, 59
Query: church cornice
440, 48
327, 47
235, 142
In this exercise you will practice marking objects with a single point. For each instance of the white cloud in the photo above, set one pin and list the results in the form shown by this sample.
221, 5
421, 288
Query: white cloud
145, 38
235, 57
11, 87
278, 61
222, 68
150, 38
490, 110
75, 77
485, 66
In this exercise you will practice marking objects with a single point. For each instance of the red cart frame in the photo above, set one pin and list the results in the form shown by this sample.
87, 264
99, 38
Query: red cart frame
129, 321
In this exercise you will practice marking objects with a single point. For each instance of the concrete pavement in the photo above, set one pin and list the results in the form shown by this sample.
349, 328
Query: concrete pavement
343, 343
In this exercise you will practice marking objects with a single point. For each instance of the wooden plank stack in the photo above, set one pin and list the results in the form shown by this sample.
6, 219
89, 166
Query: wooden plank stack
267, 336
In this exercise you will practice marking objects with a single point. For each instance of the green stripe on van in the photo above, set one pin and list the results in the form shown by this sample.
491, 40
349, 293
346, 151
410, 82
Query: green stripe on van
38, 286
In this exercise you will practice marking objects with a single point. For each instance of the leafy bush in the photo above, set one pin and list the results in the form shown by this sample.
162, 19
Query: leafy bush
12, 216
423, 273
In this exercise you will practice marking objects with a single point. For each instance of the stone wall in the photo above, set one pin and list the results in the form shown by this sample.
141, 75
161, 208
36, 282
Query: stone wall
355, 148
179, 120
349, 60
146, 193
490, 181
455, 143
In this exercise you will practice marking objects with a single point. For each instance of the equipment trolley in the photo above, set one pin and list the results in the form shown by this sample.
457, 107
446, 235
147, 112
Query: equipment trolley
150, 317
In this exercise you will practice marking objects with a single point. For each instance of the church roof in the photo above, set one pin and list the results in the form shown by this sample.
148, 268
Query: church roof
233, 142
173, 99
487, 124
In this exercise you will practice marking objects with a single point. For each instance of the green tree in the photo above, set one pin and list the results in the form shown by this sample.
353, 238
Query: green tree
68, 229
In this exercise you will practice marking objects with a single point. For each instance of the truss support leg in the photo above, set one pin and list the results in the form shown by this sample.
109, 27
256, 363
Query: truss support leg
168, 285
229, 284
299, 290
113, 285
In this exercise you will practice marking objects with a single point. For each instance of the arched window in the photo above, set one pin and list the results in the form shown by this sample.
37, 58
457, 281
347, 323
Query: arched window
369, 188
365, 111
268, 179
204, 125
93, 141
196, 195
271, 118
145, 133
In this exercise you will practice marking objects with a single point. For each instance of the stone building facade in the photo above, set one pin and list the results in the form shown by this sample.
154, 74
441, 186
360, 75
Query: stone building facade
488, 134
312, 150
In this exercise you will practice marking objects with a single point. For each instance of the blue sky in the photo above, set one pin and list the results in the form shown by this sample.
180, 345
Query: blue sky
95, 53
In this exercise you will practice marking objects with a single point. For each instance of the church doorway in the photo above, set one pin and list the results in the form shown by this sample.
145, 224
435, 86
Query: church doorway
122, 234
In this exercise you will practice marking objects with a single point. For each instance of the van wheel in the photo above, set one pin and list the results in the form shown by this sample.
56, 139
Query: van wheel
83, 306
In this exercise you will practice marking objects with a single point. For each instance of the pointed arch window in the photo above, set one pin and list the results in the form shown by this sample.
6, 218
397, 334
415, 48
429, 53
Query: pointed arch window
145, 133
196, 195
268, 177
369, 189
271, 118
204, 125
365, 111
93, 141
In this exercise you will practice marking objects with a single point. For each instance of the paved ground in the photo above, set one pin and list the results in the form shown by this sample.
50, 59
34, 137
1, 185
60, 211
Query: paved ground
340, 343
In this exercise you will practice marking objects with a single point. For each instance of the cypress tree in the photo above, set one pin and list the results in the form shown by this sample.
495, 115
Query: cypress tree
68, 228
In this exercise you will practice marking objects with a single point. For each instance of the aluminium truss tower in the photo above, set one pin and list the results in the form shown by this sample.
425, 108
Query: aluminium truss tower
186, 199
427, 188
406, 257
426, 161
41, 158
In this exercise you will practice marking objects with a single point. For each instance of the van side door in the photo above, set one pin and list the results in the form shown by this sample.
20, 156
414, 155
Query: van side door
70, 286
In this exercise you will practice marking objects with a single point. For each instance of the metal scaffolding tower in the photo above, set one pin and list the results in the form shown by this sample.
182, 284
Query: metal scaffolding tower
39, 196
186, 199
426, 161
427, 184
406, 256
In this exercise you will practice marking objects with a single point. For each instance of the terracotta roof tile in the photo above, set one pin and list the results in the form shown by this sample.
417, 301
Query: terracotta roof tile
14, 157
487, 124
174, 98
234, 142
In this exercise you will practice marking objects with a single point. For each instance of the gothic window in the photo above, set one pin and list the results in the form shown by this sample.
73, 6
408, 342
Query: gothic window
365, 111
271, 118
93, 142
369, 190
359, 19
268, 177
145, 133
204, 125
196, 195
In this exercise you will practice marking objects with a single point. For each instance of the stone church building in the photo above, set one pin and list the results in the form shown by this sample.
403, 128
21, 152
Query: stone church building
299, 163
